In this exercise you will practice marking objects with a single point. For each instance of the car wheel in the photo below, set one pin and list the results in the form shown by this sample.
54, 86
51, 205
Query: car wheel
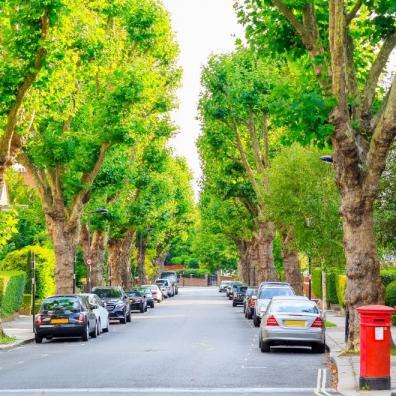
141, 309
256, 320
152, 304
145, 310
319, 348
177, 291
94, 334
129, 317
38, 339
265, 346
106, 329
229, 297
124, 319
234, 304
85, 336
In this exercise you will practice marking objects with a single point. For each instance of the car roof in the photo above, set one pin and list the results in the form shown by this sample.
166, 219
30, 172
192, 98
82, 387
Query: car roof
263, 284
292, 298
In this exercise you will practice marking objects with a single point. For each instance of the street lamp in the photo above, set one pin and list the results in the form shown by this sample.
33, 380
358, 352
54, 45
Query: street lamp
100, 211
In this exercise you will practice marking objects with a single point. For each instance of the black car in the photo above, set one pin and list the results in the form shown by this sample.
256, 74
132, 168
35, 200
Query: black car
238, 296
231, 289
64, 316
117, 302
138, 301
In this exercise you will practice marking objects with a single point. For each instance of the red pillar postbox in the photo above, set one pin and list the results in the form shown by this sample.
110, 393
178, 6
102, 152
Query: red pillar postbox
375, 346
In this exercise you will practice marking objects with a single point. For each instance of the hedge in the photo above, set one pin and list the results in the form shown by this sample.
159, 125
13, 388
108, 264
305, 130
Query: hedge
390, 294
331, 285
12, 285
195, 273
45, 268
388, 275
26, 307
341, 286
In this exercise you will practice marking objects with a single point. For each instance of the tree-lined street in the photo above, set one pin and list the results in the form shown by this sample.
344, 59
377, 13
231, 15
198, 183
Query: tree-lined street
195, 341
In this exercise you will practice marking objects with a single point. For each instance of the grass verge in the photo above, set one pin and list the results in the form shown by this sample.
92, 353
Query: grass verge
7, 340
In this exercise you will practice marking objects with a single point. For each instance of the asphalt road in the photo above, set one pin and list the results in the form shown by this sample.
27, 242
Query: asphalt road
194, 343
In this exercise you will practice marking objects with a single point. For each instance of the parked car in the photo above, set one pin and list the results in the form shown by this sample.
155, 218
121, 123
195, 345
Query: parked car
137, 300
223, 285
64, 316
265, 293
156, 292
238, 296
165, 287
149, 296
171, 276
98, 307
233, 289
250, 302
117, 302
292, 321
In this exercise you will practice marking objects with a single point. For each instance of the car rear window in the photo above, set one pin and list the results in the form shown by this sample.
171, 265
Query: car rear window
294, 307
108, 293
269, 292
134, 294
61, 305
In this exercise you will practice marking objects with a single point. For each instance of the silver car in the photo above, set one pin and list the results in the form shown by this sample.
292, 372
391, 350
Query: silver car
292, 321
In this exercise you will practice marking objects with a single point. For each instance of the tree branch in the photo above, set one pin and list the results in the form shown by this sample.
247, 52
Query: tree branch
355, 9
372, 80
383, 136
256, 145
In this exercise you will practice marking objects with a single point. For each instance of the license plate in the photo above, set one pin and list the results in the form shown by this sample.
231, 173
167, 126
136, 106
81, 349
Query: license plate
59, 321
295, 323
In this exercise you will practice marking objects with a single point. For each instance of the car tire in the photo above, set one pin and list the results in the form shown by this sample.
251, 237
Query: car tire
129, 317
234, 304
106, 329
177, 291
38, 339
94, 334
152, 305
256, 320
85, 335
265, 347
124, 319
319, 348
141, 309
229, 297
145, 310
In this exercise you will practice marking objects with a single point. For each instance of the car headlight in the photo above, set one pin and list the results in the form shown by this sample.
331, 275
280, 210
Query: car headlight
120, 305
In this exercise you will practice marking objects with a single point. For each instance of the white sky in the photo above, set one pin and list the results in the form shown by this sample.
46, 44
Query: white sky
203, 27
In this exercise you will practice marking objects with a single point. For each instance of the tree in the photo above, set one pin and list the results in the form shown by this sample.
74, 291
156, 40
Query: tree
102, 87
348, 61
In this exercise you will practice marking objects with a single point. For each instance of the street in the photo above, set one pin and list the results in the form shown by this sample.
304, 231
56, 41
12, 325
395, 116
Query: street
194, 343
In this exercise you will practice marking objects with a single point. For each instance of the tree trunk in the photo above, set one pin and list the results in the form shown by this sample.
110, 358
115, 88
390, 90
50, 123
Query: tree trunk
94, 247
64, 238
262, 253
160, 260
244, 261
364, 286
141, 258
119, 260
291, 264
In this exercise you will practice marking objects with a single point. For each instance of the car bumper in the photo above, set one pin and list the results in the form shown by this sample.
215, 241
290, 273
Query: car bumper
116, 314
61, 330
135, 306
293, 336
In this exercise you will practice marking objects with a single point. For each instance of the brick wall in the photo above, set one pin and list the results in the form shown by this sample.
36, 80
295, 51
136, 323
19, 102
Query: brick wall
193, 281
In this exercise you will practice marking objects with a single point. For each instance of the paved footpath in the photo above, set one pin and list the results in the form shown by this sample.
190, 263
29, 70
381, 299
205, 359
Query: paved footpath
194, 343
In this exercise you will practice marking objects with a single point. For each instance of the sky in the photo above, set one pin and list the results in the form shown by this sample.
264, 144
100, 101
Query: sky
202, 27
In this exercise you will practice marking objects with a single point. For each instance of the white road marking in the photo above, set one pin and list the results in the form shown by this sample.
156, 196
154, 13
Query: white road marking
158, 390
318, 382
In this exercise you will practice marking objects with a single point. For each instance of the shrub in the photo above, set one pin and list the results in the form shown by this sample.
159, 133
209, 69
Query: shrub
45, 268
340, 286
388, 275
317, 282
331, 283
12, 285
26, 307
195, 273
390, 294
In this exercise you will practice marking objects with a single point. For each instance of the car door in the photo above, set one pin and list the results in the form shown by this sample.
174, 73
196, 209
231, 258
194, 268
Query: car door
100, 312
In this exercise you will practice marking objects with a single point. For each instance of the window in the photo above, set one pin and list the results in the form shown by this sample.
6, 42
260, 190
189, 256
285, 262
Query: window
268, 292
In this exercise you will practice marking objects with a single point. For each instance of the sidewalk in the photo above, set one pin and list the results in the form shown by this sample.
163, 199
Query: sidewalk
348, 366
21, 328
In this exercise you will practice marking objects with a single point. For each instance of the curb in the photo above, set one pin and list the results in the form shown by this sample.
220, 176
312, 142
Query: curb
16, 344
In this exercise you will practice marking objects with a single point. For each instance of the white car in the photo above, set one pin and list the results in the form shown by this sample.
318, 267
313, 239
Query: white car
165, 286
155, 291
99, 309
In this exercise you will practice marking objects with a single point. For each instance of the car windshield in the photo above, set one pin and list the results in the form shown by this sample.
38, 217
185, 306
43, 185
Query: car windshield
269, 292
134, 294
108, 293
61, 305
167, 274
294, 307
243, 289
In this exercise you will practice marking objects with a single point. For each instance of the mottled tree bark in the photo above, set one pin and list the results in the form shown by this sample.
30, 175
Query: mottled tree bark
120, 260
244, 265
141, 258
160, 260
291, 264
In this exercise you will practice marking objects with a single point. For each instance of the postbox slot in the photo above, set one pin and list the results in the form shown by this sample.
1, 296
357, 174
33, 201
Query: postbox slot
379, 320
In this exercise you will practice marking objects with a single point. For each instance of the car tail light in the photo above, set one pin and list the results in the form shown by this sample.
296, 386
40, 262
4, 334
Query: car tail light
38, 320
318, 322
81, 318
271, 321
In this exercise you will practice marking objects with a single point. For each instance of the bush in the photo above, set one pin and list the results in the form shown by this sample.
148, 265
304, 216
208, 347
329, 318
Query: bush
12, 285
45, 268
388, 275
331, 283
317, 282
390, 294
195, 273
26, 307
340, 286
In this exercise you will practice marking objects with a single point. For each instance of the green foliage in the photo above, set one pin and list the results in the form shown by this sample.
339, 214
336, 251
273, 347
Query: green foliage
317, 282
341, 281
332, 296
388, 275
26, 307
45, 268
390, 294
12, 284
195, 273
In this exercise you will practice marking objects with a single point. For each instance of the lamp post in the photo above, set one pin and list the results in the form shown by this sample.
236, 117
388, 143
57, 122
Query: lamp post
101, 211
